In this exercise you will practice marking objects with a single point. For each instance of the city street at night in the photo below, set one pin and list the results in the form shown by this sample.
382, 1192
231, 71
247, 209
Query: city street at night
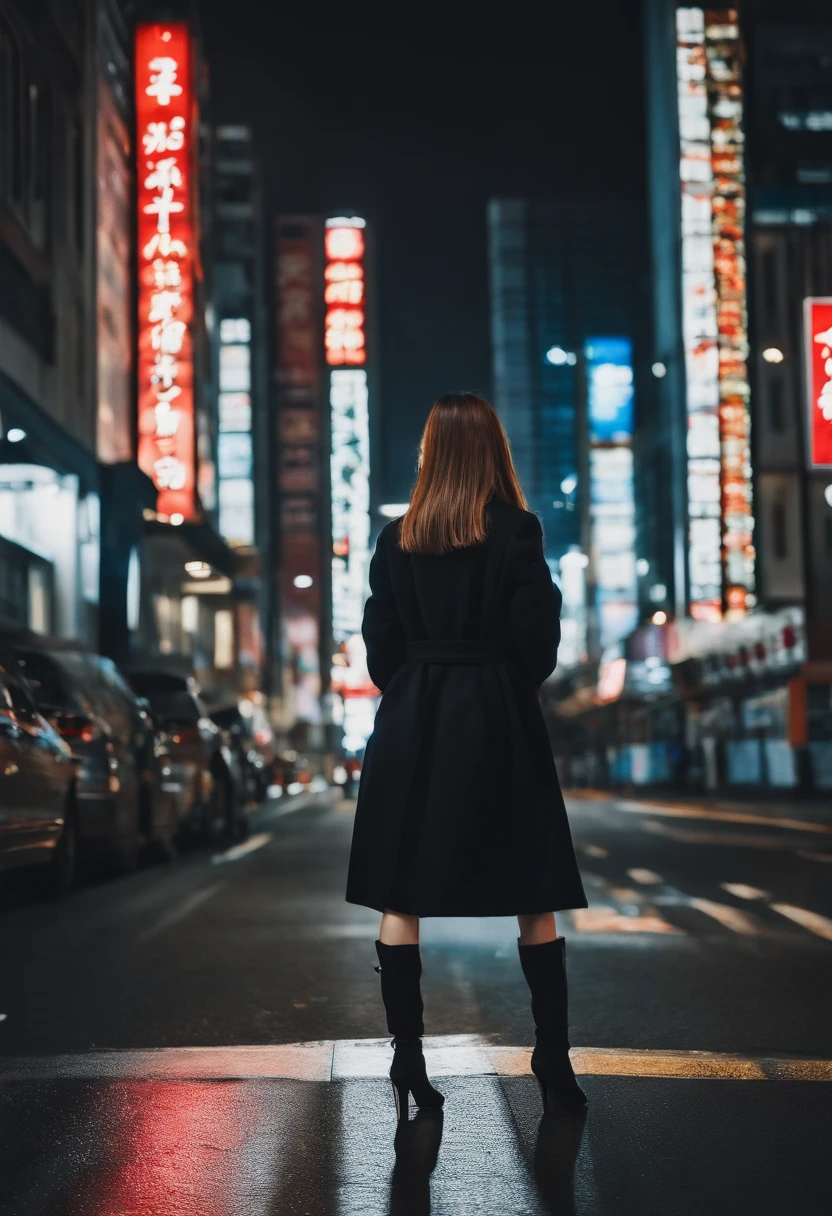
204, 1038
415, 609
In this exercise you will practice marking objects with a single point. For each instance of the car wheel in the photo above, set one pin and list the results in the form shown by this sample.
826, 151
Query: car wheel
63, 867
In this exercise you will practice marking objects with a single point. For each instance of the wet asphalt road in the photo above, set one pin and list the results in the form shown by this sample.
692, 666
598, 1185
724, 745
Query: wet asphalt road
704, 934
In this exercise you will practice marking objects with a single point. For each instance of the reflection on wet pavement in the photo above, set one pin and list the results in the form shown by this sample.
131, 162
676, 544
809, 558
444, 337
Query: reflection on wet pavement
266, 1146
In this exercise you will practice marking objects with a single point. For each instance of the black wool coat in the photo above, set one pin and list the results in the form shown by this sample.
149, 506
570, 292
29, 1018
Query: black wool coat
459, 809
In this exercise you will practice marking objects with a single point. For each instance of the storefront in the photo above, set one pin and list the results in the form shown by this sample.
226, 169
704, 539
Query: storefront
699, 705
50, 522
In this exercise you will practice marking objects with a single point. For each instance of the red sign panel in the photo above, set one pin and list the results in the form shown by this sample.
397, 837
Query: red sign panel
817, 322
344, 336
166, 249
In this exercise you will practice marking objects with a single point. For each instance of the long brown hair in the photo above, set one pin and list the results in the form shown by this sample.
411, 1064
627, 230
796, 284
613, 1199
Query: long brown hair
464, 460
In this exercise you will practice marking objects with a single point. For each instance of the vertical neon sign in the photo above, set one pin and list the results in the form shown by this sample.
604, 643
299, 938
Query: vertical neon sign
817, 330
166, 238
714, 315
346, 353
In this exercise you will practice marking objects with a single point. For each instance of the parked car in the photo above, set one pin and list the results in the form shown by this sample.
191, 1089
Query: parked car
204, 773
121, 804
252, 739
37, 785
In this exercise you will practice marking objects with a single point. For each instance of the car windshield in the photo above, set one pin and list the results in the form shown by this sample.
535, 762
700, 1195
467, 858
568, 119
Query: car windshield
173, 706
51, 686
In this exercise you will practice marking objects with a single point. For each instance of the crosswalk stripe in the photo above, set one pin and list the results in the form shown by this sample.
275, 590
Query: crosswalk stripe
732, 918
463, 1055
821, 926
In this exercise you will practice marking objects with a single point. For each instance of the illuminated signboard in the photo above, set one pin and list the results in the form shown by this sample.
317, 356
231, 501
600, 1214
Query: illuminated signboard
299, 475
817, 331
346, 354
714, 313
609, 379
344, 294
166, 247
345, 347
234, 450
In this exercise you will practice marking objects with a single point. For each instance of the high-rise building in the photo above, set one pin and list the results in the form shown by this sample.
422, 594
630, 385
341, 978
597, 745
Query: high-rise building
570, 333
717, 690
325, 395
71, 494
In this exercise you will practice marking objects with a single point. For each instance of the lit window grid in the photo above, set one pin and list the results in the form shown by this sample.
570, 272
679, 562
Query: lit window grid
714, 313
235, 449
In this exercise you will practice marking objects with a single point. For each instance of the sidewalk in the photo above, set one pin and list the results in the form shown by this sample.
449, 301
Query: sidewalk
309, 1128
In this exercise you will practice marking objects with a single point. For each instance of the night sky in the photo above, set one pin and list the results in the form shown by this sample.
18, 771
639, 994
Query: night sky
414, 117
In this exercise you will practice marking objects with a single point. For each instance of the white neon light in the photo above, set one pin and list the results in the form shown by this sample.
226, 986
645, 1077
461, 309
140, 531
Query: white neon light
350, 477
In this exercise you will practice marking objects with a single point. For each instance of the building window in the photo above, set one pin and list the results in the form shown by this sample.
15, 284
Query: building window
776, 414
779, 539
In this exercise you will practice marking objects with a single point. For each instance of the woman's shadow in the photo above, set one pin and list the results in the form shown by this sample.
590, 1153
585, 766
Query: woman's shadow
417, 1150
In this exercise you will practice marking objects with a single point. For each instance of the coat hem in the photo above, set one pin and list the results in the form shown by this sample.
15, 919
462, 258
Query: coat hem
490, 911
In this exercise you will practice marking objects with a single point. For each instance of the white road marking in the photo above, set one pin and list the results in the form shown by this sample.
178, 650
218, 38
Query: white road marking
609, 920
3, 1017
242, 850
181, 911
821, 926
595, 850
810, 856
446, 1055
743, 891
732, 918
645, 877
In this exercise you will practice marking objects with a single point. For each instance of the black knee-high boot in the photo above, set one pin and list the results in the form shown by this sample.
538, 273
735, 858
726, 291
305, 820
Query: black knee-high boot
400, 968
544, 967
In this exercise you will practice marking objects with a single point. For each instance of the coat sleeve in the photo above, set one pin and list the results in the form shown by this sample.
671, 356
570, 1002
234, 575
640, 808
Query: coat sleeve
382, 627
534, 603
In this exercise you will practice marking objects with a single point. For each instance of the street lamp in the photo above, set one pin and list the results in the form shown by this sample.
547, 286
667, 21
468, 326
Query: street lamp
559, 357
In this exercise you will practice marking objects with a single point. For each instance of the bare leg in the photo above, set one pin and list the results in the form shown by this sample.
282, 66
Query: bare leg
536, 928
399, 929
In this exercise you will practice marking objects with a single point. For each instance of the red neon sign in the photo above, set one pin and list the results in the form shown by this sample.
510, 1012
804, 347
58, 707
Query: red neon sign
817, 325
166, 247
344, 337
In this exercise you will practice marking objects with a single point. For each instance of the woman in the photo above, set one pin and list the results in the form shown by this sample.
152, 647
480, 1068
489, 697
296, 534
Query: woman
459, 810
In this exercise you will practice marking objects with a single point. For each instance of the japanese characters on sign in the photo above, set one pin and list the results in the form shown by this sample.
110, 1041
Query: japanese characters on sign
345, 348
714, 314
817, 328
298, 443
344, 337
166, 247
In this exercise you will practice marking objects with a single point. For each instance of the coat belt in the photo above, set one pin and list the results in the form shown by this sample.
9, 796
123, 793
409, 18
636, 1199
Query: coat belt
476, 653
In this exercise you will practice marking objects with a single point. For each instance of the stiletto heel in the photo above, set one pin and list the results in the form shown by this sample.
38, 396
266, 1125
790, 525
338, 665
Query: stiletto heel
400, 968
401, 1095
